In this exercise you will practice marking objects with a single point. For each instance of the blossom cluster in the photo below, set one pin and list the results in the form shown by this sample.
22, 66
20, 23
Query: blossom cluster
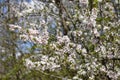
90, 48
43, 64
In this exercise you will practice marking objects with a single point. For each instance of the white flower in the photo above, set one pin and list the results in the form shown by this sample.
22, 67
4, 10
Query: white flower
42, 62
103, 69
41, 5
12, 27
84, 50
103, 49
106, 28
97, 49
85, 33
74, 33
99, 0
110, 56
75, 78
78, 48
83, 72
52, 58
83, 1
79, 33
85, 21
92, 77
44, 41
44, 58
43, 67
96, 32
33, 32
51, 5
53, 46
26, 12
55, 10
29, 64
81, 17
71, 59
94, 12
43, 23
54, 65
112, 74
66, 39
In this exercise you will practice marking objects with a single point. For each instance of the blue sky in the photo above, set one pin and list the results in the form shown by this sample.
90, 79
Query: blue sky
4, 9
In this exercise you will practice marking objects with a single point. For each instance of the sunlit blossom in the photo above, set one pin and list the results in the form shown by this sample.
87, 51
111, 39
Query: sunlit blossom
95, 31
12, 27
84, 1
99, 0
29, 64
84, 50
33, 32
